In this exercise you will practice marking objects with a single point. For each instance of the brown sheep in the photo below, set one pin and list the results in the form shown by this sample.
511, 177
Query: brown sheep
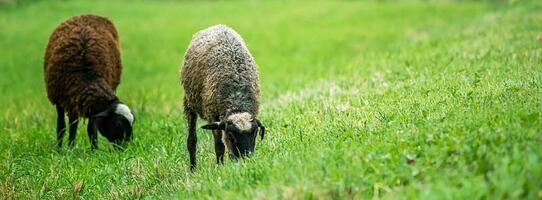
82, 69
220, 80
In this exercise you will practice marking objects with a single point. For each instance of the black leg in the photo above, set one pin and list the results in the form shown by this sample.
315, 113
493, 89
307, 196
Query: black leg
191, 140
60, 126
219, 146
92, 134
74, 121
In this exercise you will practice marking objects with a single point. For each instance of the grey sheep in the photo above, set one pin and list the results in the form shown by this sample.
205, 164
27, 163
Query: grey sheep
220, 80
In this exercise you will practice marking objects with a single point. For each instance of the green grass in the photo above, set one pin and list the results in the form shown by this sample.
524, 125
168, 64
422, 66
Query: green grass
398, 100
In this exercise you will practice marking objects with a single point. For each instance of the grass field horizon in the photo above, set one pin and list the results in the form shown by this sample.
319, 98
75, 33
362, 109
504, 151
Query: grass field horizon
369, 99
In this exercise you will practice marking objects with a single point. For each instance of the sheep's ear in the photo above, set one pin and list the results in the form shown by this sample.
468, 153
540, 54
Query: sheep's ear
214, 126
101, 114
134, 118
262, 129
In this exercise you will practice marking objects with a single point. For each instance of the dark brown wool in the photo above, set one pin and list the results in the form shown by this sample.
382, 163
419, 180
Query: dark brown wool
82, 65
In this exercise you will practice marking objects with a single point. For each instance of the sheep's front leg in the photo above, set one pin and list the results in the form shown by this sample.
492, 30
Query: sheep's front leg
92, 133
219, 146
191, 141
60, 126
74, 121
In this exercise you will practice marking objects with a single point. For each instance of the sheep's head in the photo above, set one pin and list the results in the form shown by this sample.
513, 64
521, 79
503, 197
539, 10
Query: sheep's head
239, 133
116, 123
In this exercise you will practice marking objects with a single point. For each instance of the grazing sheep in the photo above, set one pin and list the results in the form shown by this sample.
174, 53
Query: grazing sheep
220, 80
82, 70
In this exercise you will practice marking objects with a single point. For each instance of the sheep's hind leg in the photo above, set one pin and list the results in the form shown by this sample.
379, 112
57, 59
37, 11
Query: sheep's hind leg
92, 133
219, 146
60, 126
74, 121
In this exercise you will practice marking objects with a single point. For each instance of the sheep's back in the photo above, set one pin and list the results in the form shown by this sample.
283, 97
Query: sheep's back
219, 73
81, 50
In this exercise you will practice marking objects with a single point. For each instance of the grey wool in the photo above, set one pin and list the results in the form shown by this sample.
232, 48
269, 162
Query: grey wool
221, 84
219, 75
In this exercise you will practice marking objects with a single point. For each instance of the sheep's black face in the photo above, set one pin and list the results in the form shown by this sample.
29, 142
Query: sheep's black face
116, 128
239, 134
116, 125
240, 143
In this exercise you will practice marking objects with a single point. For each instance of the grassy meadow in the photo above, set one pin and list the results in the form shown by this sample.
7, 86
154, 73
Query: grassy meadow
362, 99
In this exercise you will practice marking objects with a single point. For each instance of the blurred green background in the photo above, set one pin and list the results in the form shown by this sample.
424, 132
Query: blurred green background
385, 99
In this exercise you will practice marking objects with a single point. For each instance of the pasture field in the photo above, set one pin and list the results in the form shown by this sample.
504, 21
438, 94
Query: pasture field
362, 99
